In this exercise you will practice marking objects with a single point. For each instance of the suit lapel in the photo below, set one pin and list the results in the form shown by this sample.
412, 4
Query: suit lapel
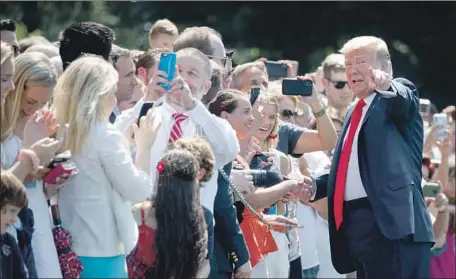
371, 108
338, 150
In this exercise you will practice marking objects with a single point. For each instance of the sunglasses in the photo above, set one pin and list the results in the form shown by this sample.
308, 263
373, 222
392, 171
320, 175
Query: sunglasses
287, 114
339, 84
114, 57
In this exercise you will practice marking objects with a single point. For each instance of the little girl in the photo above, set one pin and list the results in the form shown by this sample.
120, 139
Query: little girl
13, 197
173, 237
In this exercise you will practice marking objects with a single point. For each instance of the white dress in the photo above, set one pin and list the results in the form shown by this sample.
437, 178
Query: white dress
277, 262
46, 259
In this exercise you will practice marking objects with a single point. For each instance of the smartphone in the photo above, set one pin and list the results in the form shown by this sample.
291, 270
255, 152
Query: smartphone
425, 110
295, 87
144, 110
254, 94
276, 70
430, 190
441, 121
168, 65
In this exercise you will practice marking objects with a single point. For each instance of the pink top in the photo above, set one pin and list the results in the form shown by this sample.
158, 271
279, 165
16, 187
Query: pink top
444, 266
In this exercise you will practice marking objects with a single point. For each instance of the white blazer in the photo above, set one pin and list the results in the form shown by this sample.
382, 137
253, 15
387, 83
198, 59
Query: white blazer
95, 205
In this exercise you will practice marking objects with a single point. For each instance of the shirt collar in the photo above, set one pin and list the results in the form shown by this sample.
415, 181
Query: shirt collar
368, 100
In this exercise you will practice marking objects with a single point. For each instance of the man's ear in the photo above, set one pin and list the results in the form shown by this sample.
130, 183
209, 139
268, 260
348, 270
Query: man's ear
224, 115
207, 86
142, 73
324, 81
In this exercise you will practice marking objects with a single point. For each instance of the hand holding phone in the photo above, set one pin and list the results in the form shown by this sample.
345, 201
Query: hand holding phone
144, 109
167, 64
441, 121
297, 87
431, 190
276, 70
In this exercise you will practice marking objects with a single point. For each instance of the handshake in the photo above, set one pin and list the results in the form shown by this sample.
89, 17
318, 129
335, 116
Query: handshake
247, 180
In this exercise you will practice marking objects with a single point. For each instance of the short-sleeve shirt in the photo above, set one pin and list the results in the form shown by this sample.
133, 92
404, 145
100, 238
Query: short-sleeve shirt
289, 135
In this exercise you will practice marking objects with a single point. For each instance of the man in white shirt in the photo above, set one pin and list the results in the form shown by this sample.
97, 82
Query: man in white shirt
191, 83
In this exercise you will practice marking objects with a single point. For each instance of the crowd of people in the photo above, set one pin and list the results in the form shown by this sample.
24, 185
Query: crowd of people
210, 183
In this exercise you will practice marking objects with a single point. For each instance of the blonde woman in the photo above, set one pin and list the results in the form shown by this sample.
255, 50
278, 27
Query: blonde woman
6, 70
42, 149
277, 262
95, 205
34, 80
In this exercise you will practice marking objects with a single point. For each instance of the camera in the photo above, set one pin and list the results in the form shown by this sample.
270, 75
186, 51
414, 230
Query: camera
264, 178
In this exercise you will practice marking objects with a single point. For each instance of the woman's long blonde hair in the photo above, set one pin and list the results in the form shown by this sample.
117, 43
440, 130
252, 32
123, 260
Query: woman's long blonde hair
270, 98
80, 98
31, 69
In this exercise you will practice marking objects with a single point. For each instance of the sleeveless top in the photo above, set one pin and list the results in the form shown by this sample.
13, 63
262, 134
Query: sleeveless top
143, 255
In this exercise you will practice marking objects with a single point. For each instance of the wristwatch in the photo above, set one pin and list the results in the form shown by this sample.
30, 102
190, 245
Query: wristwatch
320, 112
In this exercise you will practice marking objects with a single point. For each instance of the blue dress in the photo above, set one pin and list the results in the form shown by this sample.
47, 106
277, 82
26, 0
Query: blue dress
104, 267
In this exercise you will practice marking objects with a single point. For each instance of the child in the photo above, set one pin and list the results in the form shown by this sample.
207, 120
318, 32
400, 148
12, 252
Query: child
164, 248
13, 197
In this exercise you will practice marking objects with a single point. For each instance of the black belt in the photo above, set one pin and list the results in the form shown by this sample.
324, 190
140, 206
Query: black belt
357, 204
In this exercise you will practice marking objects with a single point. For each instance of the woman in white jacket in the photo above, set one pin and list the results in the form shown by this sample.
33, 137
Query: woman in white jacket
95, 205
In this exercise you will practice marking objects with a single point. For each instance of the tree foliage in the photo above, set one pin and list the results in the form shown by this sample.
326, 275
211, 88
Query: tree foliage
418, 33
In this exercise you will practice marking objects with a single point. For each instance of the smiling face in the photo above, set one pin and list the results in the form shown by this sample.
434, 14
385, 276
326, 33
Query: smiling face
268, 123
357, 64
241, 118
192, 70
35, 98
338, 91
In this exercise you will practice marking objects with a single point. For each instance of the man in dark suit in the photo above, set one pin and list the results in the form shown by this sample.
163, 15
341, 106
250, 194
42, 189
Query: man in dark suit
230, 250
378, 222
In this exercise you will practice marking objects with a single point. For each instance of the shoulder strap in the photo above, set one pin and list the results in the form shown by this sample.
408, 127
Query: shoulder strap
143, 221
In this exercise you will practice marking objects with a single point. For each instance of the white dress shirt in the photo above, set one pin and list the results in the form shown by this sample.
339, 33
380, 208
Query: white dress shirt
200, 122
95, 205
354, 188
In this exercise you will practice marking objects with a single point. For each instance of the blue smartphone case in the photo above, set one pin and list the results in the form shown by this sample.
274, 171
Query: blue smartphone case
167, 65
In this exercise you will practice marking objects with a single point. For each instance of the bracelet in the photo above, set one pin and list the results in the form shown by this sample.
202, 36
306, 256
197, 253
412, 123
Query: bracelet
31, 156
320, 112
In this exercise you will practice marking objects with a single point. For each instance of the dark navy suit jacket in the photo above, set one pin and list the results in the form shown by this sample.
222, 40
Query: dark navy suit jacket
390, 146
230, 249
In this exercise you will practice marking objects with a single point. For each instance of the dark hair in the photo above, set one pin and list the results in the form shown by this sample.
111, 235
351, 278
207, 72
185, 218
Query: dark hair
227, 100
216, 85
7, 25
85, 38
196, 37
181, 236
426, 161
201, 150
148, 59
12, 190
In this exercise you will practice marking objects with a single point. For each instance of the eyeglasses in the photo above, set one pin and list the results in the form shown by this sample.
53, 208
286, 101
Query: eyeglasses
339, 84
287, 114
228, 57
